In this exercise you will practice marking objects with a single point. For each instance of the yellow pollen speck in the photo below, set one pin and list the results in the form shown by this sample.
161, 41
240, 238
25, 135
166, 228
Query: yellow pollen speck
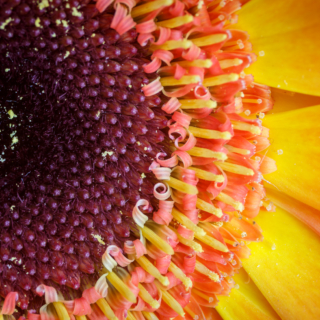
105, 153
76, 13
65, 23
14, 140
43, 4
12, 114
274, 247
58, 22
4, 24
261, 53
68, 6
280, 152
99, 238
143, 175
37, 23
7, 70
67, 55
138, 143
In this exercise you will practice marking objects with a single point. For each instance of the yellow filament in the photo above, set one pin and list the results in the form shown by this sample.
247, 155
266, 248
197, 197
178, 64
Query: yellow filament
173, 44
171, 81
232, 242
200, 63
61, 311
191, 313
228, 200
146, 296
180, 275
184, 220
149, 7
234, 168
146, 265
170, 300
187, 242
79, 317
197, 104
205, 206
206, 175
243, 126
218, 80
156, 240
212, 242
175, 22
122, 288
130, 316
182, 186
1, 317
224, 64
105, 308
202, 295
237, 150
210, 134
209, 40
207, 272
206, 153
149, 315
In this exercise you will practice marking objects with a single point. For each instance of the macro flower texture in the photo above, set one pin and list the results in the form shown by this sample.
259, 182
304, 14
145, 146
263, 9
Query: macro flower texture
159, 159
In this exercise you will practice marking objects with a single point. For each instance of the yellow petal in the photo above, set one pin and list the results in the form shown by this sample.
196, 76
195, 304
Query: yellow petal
286, 266
303, 212
246, 302
285, 36
287, 100
295, 139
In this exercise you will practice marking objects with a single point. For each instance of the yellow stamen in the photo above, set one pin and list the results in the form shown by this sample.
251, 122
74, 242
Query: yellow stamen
207, 272
205, 206
146, 265
200, 63
209, 40
130, 316
210, 134
184, 220
171, 81
202, 295
149, 315
146, 296
191, 313
105, 308
228, 200
206, 175
212, 242
232, 242
243, 126
237, 150
121, 287
219, 80
197, 104
173, 44
175, 22
206, 153
61, 311
224, 64
234, 168
156, 240
149, 7
170, 301
187, 242
1, 317
182, 186
180, 275
79, 317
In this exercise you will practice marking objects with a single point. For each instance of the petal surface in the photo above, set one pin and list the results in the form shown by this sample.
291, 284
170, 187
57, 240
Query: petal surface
246, 302
285, 266
295, 138
285, 36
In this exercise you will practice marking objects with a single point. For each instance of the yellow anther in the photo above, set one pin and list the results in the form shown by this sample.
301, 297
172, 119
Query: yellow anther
207, 207
121, 287
237, 150
219, 80
243, 126
187, 282
197, 104
156, 240
173, 44
206, 175
234, 168
146, 265
224, 64
184, 220
149, 7
200, 63
187, 242
209, 40
207, 272
61, 311
228, 200
130, 316
146, 296
206, 153
210, 134
182, 186
170, 300
175, 22
171, 81
105, 308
